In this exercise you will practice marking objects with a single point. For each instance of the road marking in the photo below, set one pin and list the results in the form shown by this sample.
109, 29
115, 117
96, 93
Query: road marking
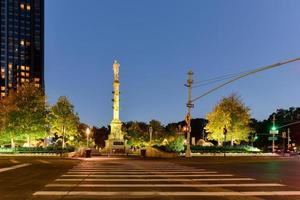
170, 185
14, 161
95, 170
150, 193
151, 180
140, 172
145, 175
14, 167
44, 161
125, 169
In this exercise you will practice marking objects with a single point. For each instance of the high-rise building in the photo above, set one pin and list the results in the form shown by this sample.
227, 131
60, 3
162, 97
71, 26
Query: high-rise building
22, 44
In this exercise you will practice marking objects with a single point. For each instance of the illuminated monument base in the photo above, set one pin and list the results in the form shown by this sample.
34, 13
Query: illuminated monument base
115, 142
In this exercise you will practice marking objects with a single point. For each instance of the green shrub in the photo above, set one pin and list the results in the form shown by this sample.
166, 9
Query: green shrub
222, 149
177, 145
50, 149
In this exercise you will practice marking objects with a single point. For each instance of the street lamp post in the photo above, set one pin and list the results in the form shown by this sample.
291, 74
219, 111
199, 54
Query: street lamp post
88, 131
150, 134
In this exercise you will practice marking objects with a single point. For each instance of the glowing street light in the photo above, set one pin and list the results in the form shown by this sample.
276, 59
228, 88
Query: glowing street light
88, 131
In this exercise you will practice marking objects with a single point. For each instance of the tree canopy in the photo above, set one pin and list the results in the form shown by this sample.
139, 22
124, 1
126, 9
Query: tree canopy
231, 113
63, 119
23, 113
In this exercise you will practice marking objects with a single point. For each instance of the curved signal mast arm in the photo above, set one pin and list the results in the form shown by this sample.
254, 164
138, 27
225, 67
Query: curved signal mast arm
246, 74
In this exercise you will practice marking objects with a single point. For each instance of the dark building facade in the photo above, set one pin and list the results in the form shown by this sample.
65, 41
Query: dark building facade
22, 44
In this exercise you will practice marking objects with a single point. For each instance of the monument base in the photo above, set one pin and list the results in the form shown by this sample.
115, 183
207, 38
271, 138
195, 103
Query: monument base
115, 146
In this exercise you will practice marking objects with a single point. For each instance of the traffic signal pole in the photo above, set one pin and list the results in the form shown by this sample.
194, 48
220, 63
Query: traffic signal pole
273, 134
188, 117
288, 138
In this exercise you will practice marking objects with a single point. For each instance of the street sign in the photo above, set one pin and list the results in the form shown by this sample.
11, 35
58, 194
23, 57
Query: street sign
190, 105
272, 138
273, 131
283, 134
188, 118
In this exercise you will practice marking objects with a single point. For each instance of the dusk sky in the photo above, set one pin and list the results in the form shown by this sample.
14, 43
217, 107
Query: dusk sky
157, 42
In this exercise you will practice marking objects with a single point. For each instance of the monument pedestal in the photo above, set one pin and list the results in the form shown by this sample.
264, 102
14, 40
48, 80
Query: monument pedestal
116, 143
115, 146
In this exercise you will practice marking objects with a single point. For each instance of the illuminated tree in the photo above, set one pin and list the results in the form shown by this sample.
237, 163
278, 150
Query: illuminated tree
159, 132
24, 113
63, 119
231, 113
136, 133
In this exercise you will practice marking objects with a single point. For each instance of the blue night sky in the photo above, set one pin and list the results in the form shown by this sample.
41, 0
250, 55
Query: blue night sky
157, 42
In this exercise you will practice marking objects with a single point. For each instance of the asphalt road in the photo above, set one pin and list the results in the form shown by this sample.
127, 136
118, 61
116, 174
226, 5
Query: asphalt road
218, 178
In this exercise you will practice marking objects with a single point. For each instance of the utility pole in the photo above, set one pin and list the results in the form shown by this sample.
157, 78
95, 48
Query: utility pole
273, 134
288, 136
188, 117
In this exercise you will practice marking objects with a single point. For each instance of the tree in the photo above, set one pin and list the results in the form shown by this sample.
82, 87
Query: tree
158, 130
24, 113
136, 133
231, 113
63, 119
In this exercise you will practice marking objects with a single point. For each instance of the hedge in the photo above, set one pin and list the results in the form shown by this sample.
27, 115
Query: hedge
50, 149
222, 149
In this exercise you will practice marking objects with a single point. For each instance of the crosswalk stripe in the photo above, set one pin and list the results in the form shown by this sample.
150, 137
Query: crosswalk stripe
152, 180
14, 167
145, 175
119, 168
133, 170
140, 172
152, 193
169, 185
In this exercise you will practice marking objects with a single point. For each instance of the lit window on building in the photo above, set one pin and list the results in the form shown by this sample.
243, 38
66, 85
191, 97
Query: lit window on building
27, 80
2, 70
27, 68
9, 85
22, 6
2, 88
23, 74
28, 7
36, 80
9, 66
22, 67
37, 85
22, 80
27, 43
22, 42
27, 74
2, 94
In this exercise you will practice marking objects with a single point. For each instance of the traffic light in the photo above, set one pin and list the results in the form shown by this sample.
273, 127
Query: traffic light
274, 128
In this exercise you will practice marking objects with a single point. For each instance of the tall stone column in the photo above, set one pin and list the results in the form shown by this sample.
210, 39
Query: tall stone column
115, 140
116, 92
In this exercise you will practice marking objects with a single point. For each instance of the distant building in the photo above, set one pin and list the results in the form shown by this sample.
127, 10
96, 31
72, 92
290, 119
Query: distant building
22, 44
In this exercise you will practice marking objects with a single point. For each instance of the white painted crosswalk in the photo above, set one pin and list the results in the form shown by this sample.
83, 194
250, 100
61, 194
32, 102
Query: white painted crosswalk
113, 179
